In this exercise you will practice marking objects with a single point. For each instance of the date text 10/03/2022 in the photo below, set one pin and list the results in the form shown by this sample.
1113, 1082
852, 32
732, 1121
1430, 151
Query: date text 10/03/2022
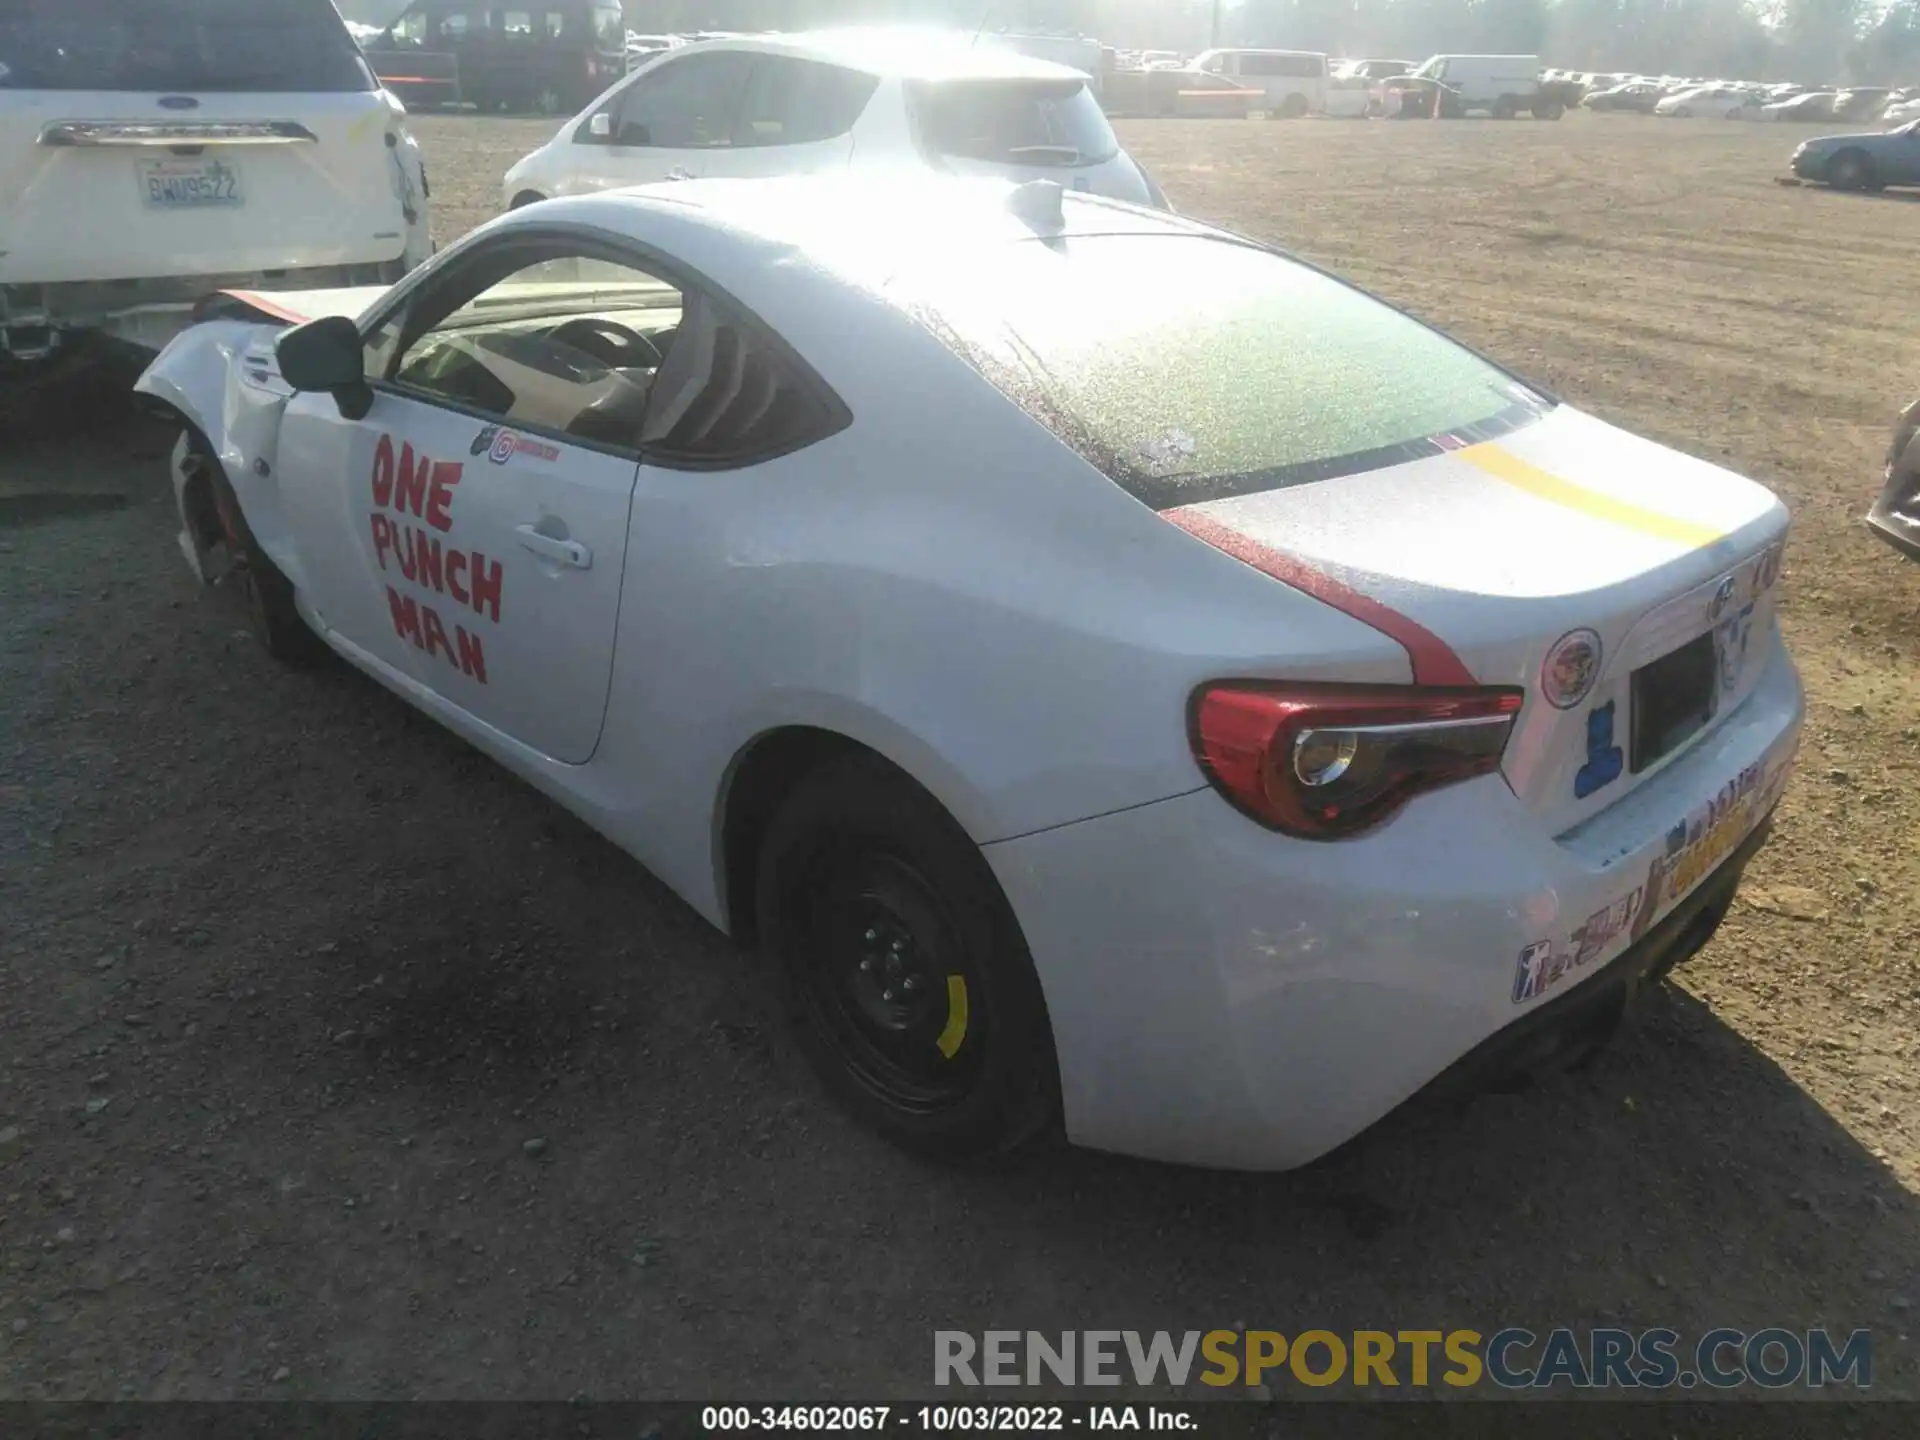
945, 1419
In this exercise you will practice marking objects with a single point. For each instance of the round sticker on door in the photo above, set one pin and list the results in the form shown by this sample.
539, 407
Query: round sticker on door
1571, 667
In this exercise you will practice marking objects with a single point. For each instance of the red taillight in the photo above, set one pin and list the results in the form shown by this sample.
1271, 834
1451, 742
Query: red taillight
1328, 761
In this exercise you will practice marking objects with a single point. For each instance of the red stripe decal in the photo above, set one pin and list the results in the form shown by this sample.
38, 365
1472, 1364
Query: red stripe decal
266, 306
1433, 660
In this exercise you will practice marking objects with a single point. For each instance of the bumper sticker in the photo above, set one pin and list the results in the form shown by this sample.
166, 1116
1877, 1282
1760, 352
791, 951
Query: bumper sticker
1692, 851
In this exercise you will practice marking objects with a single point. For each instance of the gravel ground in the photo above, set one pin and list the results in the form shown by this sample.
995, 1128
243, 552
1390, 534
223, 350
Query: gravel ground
339, 1064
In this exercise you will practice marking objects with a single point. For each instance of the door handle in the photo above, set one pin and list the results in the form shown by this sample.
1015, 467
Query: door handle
561, 552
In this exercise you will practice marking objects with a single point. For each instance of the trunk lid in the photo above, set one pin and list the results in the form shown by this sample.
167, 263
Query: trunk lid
1628, 589
1499, 537
191, 137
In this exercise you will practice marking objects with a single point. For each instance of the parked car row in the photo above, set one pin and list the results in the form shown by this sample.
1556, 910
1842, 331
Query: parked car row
1739, 100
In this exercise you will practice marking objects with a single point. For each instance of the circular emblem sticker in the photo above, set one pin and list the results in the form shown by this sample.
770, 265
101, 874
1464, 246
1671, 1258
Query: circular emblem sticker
1571, 667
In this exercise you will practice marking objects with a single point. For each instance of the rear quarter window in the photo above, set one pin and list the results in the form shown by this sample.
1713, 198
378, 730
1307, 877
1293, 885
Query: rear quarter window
1012, 122
1190, 369
271, 46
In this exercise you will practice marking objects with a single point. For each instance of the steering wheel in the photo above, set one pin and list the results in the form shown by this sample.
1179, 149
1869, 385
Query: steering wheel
607, 341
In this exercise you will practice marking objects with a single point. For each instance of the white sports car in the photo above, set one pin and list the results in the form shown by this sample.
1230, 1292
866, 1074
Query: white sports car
1121, 672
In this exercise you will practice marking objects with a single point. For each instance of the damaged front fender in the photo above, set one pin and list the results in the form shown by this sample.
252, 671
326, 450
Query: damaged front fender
220, 379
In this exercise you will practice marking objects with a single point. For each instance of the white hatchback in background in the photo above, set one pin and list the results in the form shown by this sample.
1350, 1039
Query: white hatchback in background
748, 107
152, 153
1728, 102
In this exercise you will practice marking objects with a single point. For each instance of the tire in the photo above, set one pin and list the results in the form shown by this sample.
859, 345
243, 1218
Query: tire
1736, 112
904, 972
267, 593
1549, 110
526, 198
1505, 108
1851, 170
1293, 107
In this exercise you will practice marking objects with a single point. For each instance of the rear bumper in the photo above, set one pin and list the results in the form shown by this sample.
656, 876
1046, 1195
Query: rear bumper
1221, 995
149, 312
1566, 1031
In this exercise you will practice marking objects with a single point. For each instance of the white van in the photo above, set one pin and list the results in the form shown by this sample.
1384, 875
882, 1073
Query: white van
155, 151
1295, 81
1499, 85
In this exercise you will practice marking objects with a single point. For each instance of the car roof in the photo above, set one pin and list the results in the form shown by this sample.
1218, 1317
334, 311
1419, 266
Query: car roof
900, 52
866, 226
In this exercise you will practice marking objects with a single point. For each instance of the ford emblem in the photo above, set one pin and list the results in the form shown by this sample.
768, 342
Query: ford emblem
179, 102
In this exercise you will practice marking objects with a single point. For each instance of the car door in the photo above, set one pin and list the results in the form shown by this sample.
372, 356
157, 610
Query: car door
666, 123
795, 117
468, 532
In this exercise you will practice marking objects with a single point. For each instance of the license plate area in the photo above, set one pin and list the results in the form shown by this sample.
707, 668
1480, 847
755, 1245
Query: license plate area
1673, 699
195, 184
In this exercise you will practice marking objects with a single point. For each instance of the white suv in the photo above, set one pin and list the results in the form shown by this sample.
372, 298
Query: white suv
820, 101
154, 151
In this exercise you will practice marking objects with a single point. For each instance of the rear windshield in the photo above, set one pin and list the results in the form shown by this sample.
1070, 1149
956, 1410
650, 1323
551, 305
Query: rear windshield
178, 45
1192, 369
1014, 122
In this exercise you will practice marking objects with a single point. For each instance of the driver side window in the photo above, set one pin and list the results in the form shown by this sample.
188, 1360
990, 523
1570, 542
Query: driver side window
541, 335
568, 344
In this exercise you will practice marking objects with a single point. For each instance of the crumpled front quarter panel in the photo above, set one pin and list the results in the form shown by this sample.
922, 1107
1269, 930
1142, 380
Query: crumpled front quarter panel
223, 378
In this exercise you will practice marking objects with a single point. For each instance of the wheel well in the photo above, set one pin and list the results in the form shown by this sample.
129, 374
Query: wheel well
762, 779
196, 495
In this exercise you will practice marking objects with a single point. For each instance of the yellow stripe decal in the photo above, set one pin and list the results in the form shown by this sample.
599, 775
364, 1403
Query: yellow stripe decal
1505, 465
952, 1037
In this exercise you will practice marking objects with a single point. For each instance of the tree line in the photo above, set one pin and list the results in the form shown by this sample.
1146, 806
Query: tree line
1812, 41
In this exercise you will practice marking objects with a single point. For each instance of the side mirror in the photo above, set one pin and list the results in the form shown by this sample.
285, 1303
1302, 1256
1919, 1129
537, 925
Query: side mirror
600, 127
327, 355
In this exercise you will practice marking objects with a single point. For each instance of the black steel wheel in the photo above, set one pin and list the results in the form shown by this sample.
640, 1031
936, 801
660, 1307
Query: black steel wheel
907, 980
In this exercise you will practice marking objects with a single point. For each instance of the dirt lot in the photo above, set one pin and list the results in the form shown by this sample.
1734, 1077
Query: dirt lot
288, 978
